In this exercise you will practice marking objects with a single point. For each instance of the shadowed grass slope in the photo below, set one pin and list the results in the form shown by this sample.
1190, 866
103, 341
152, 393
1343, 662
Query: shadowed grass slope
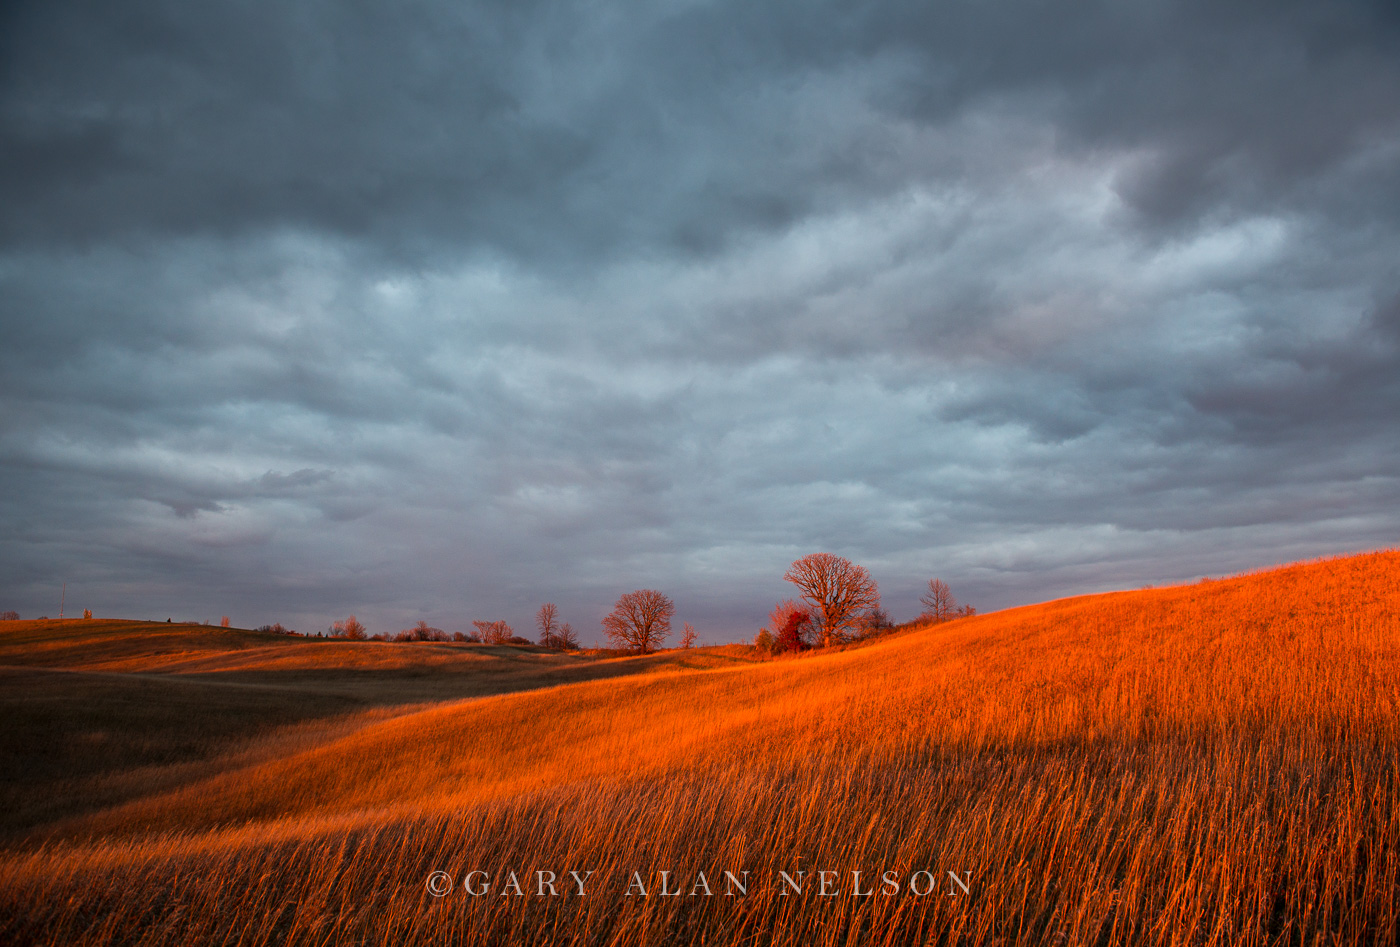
94, 713
1212, 764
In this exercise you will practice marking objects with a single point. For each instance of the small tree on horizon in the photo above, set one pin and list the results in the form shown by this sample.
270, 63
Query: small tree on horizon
640, 620
938, 601
547, 620
764, 641
838, 590
688, 637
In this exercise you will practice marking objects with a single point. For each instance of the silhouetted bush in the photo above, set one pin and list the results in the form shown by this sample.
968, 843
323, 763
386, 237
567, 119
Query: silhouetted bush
792, 625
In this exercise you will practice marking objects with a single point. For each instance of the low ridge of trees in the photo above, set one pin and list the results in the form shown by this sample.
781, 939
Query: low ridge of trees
839, 602
640, 620
9, 616
495, 632
422, 632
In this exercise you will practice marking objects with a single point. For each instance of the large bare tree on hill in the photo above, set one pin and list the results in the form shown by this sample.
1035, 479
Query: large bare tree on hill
839, 591
640, 620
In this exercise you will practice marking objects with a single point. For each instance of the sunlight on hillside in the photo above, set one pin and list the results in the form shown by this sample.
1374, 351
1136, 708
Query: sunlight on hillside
1213, 763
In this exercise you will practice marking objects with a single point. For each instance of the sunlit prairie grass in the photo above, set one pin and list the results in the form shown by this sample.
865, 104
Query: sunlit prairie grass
1208, 764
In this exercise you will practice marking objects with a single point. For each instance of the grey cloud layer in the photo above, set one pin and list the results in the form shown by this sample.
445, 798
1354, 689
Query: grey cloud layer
445, 311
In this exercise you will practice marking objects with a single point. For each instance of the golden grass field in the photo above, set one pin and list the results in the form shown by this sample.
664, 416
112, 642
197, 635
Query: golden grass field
1204, 764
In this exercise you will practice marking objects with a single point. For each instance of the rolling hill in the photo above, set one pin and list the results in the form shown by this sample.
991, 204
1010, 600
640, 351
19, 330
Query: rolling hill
1213, 763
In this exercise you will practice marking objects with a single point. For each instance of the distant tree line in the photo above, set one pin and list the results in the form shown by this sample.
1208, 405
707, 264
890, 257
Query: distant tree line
838, 602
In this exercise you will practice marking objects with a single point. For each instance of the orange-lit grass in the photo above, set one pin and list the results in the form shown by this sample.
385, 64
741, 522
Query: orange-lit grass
1204, 764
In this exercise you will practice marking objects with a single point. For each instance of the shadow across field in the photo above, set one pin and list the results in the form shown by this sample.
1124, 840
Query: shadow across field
95, 713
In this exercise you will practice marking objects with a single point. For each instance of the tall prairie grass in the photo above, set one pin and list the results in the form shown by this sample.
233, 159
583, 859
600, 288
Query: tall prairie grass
1206, 764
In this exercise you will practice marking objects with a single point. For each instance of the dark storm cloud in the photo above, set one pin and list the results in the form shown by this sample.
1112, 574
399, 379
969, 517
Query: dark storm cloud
435, 310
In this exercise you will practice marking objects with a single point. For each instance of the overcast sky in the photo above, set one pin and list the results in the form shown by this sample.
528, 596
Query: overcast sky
442, 310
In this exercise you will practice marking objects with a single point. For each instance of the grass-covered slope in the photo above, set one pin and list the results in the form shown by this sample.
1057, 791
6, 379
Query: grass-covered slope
1213, 763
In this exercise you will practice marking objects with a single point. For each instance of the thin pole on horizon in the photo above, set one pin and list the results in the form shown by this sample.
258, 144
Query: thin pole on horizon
62, 600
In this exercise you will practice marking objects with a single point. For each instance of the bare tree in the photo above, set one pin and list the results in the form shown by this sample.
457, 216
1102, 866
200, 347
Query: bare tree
938, 601
839, 591
568, 641
688, 637
547, 620
640, 620
494, 632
